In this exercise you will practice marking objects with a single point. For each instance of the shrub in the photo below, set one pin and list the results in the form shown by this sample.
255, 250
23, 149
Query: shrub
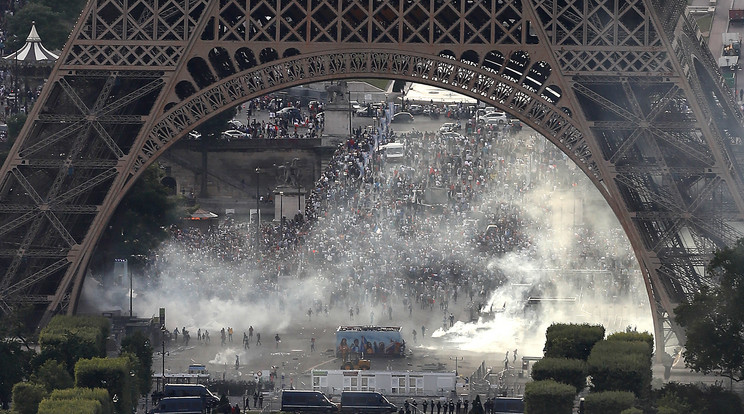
138, 344
114, 373
27, 396
568, 371
99, 394
70, 338
621, 366
52, 375
633, 336
79, 406
572, 341
697, 398
608, 402
548, 397
93, 329
632, 410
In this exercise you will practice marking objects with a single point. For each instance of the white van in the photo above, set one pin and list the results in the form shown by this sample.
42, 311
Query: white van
393, 151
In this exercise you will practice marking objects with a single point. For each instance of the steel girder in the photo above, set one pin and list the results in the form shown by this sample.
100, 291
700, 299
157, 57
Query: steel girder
625, 88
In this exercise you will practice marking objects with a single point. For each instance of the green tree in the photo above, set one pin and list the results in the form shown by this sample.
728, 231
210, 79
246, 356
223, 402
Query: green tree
52, 29
27, 396
15, 366
52, 375
138, 345
140, 222
714, 318
68, 10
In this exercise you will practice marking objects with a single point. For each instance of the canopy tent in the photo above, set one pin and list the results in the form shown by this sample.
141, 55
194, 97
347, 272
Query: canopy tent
33, 51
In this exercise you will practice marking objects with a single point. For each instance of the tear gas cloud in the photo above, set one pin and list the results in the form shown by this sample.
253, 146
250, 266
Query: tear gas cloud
374, 247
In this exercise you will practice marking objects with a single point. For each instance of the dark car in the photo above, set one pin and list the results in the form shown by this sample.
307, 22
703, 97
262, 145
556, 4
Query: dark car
307, 402
191, 390
365, 402
180, 405
402, 117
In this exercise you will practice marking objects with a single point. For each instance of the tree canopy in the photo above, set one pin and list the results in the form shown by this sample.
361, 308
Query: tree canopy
54, 22
714, 318
140, 222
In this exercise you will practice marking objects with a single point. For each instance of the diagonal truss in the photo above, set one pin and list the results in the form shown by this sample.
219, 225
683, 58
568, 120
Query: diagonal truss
625, 89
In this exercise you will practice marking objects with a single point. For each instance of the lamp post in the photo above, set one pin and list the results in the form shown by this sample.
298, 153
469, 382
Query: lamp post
456, 359
258, 214
281, 209
350, 129
131, 290
296, 163
162, 335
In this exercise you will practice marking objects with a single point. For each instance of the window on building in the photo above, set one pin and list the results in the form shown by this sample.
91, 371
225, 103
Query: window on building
368, 384
399, 385
415, 385
320, 383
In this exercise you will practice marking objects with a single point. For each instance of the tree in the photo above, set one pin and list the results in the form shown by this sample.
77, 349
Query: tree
15, 366
140, 223
68, 10
52, 29
52, 375
138, 345
714, 318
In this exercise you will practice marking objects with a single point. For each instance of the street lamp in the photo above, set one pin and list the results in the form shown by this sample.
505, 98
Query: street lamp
258, 214
456, 359
281, 209
296, 162
351, 133
162, 335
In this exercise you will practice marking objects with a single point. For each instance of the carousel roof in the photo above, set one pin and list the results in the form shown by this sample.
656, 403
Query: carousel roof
33, 50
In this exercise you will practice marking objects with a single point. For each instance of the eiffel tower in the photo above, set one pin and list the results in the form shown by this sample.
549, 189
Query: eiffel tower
627, 89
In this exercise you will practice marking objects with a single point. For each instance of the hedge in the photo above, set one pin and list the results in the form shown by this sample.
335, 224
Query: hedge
632, 337
571, 340
27, 396
548, 397
93, 330
608, 402
568, 371
79, 406
113, 374
621, 366
98, 394
70, 338
698, 398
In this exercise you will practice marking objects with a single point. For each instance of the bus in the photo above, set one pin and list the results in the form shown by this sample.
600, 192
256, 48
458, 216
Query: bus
370, 341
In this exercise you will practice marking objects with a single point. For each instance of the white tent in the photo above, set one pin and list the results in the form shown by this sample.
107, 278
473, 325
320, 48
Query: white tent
33, 50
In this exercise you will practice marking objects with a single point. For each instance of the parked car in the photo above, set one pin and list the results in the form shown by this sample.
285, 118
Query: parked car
233, 134
366, 402
307, 402
402, 117
498, 116
235, 124
289, 113
416, 109
180, 405
448, 127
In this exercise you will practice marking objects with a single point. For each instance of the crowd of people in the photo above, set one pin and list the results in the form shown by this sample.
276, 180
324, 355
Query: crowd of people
422, 232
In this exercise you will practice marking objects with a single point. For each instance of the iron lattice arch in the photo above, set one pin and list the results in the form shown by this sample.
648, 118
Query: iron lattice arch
625, 88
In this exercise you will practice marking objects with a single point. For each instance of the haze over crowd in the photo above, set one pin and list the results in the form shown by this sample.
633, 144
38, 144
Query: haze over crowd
519, 221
